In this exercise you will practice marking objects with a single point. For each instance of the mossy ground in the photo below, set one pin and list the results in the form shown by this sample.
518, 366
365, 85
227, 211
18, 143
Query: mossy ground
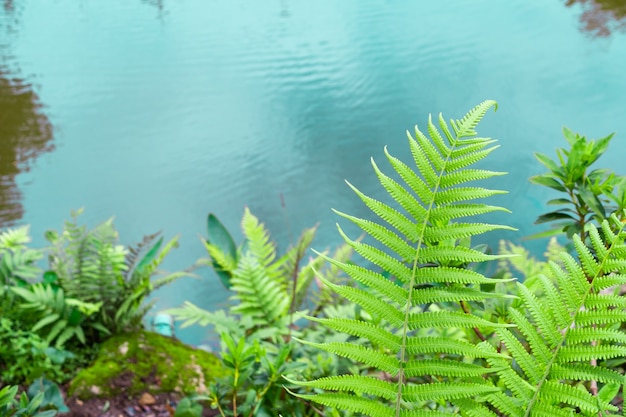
146, 362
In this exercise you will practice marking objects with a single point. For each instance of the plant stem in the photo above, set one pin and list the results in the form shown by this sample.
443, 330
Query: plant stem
294, 280
466, 310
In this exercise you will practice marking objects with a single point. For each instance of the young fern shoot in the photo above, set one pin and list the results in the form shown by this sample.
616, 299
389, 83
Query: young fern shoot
423, 243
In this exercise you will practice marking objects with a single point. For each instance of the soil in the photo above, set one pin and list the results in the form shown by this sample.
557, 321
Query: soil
122, 405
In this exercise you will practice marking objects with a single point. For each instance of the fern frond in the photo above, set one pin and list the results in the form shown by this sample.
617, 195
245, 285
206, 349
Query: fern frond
424, 249
369, 278
568, 333
449, 319
457, 211
352, 403
258, 239
444, 367
363, 354
259, 295
134, 252
191, 314
555, 392
584, 372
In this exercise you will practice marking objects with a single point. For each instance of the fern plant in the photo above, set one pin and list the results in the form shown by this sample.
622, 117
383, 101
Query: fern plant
423, 241
256, 330
563, 337
17, 261
266, 289
95, 287
18, 267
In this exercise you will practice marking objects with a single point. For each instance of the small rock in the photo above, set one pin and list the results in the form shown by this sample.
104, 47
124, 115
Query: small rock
95, 390
79, 402
146, 399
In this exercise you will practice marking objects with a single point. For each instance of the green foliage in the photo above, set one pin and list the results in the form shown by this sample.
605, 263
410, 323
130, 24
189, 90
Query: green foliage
61, 318
22, 407
221, 246
255, 386
562, 337
590, 195
267, 289
17, 269
425, 248
52, 397
17, 261
190, 407
24, 356
95, 287
256, 331
441, 338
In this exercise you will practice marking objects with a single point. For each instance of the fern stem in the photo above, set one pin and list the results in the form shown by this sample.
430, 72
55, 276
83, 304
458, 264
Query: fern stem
477, 331
294, 289
235, 384
294, 276
219, 408
420, 243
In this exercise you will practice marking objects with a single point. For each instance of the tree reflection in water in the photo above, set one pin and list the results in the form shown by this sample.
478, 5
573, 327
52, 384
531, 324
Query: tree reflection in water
601, 18
25, 132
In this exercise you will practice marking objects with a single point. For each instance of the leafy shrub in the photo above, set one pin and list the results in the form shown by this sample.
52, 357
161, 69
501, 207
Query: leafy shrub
589, 195
17, 268
24, 407
24, 356
17, 261
52, 397
95, 287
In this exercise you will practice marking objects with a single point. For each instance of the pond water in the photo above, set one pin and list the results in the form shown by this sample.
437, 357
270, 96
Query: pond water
161, 111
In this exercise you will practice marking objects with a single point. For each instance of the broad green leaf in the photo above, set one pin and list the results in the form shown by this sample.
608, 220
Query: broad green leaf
552, 216
549, 163
556, 201
592, 201
149, 256
219, 236
45, 321
548, 181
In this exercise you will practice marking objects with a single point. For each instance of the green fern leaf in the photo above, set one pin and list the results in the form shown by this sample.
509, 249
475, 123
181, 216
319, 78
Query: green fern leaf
567, 336
424, 251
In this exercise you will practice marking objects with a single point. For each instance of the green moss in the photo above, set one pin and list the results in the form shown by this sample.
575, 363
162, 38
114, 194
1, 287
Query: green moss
145, 361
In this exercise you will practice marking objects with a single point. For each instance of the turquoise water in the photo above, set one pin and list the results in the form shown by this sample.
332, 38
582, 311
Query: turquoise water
158, 112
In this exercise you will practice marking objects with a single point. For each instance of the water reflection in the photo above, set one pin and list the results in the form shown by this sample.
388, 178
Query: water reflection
601, 18
25, 132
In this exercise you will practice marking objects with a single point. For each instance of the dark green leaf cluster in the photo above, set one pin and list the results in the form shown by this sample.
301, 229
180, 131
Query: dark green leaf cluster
17, 261
23, 406
25, 356
95, 287
590, 195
